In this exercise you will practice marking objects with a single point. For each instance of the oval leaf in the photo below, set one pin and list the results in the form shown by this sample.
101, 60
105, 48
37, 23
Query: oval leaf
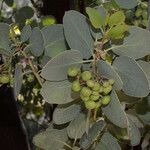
26, 33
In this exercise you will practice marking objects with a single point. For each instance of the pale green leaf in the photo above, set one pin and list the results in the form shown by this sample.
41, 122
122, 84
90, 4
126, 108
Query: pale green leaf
26, 33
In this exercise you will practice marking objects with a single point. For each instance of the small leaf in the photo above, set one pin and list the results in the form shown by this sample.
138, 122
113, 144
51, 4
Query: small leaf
17, 80
36, 42
114, 112
135, 45
87, 140
107, 141
108, 71
51, 139
64, 113
134, 80
26, 33
77, 127
58, 92
95, 17
77, 33
116, 18
56, 68
127, 4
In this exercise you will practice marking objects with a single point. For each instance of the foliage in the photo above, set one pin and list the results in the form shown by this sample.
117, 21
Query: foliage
93, 68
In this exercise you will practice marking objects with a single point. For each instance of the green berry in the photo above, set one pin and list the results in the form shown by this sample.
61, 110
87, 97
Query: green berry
98, 104
84, 98
107, 90
95, 93
86, 92
76, 87
111, 81
138, 13
90, 104
96, 86
105, 100
86, 75
101, 89
73, 71
106, 84
5, 79
90, 83
30, 78
94, 97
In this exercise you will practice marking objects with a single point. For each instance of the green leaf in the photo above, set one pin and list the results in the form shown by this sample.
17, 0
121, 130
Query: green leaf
9, 2
54, 40
77, 127
102, 12
127, 4
95, 17
26, 33
56, 68
135, 45
58, 92
108, 141
17, 80
36, 42
77, 33
108, 71
116, 18
135, 82
64, 113
4, 38
118, 31
114, 112
87, 139
51, 139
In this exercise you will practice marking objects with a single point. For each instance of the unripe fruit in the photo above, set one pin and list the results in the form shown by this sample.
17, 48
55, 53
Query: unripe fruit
107, 90
86, 92
98, 104
73, 71
106, 84
5, 79
90, 83
101, 89
86, 75
96, 86
138, 13
90, 104
111, 81
95, 93
94, 97
105, 100
76, 87
84, 98
30, 78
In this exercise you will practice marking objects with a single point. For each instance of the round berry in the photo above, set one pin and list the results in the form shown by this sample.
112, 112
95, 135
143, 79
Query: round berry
86, 75
5, 79
96, 86
90, 83
84, 98
76, 87
30, 78
106, 84
98, 104
111, 81
107, 90
101, 89
94, 97
95, 93
85, 91
90, 104
73, 71
105, 100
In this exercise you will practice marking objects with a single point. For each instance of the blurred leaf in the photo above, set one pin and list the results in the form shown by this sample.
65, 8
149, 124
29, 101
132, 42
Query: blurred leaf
102, 12
114, 112
64, 113
145, 142
26, 33
94, 17
108, 141
135, 82
9, 2
77, 127
51, 139
48, 20
87, 139
57, 92
135, 45
36, 42
109, 72
77, 33
56, 68
17, 80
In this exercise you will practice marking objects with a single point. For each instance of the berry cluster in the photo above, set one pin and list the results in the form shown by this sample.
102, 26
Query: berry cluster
94, 93
4, 78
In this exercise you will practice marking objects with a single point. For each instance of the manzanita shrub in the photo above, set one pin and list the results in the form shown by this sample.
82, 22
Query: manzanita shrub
95, 70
